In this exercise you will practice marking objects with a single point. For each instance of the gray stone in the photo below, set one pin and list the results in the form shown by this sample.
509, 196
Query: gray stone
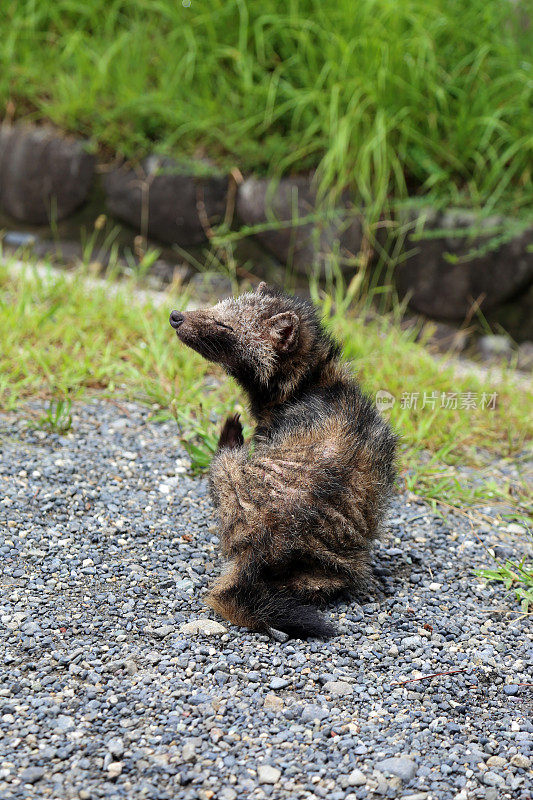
491, 778
114, 666
278, 636
204, 626
401, 767
268, 774
492, 346
378, 784
63, 724
30, 628
496, 761
273, 702
164, 630
116, 747
227, 793
114, 769
43, 175
338, 688
446, 289
31, 774
199, 698
521, 761
278, 683
411, 642
356, 778
313, 711
153, 656
185, 585
415, 796
299, 245
188, 751
167, 200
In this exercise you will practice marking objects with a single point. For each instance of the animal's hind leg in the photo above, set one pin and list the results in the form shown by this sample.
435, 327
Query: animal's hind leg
226, 474
226, 598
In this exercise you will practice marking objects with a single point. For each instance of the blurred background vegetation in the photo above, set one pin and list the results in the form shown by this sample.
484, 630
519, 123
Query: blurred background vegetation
391, 98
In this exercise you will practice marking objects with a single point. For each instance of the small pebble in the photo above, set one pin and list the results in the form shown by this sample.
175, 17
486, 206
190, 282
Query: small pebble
521, 761
356, 778
31, 774
203, 625
116, 747
278, 683
268, 774
114, 769
402, 767
338, 688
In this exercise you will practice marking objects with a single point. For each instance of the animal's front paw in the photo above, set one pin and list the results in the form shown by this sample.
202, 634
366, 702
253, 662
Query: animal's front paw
231, 433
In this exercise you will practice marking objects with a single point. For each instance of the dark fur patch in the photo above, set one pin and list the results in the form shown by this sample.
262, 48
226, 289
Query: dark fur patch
268, 606
231, 433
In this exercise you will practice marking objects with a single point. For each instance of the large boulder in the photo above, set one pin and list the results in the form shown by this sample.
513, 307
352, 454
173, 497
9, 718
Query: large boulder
277, 208
43, 176
452, 263
167, 201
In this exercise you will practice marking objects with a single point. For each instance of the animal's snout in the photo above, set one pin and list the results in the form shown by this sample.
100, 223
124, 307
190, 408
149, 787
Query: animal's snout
176, 319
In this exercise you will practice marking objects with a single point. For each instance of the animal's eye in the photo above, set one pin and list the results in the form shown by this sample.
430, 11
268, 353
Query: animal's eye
222, 325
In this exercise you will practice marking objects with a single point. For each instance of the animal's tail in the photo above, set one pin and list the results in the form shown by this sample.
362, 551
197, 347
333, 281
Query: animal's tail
244, 598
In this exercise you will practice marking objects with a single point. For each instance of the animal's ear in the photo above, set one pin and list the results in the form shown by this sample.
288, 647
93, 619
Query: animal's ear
284, 331
262, 288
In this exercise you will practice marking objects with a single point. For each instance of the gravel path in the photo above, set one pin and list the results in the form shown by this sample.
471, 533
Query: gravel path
107, 690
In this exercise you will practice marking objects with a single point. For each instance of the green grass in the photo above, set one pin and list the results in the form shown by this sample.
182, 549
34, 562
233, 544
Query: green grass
59, 338
421, 96
62, 339
57, 417
517, 577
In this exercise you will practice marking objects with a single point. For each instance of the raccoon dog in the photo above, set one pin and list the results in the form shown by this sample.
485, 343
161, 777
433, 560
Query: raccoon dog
299, 509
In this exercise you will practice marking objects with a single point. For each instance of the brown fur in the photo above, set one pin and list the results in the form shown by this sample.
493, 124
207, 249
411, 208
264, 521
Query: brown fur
298, 514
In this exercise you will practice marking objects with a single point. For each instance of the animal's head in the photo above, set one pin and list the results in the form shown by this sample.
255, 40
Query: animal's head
262, 338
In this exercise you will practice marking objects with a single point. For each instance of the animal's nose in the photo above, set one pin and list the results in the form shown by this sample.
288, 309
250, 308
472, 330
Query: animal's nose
176, 318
